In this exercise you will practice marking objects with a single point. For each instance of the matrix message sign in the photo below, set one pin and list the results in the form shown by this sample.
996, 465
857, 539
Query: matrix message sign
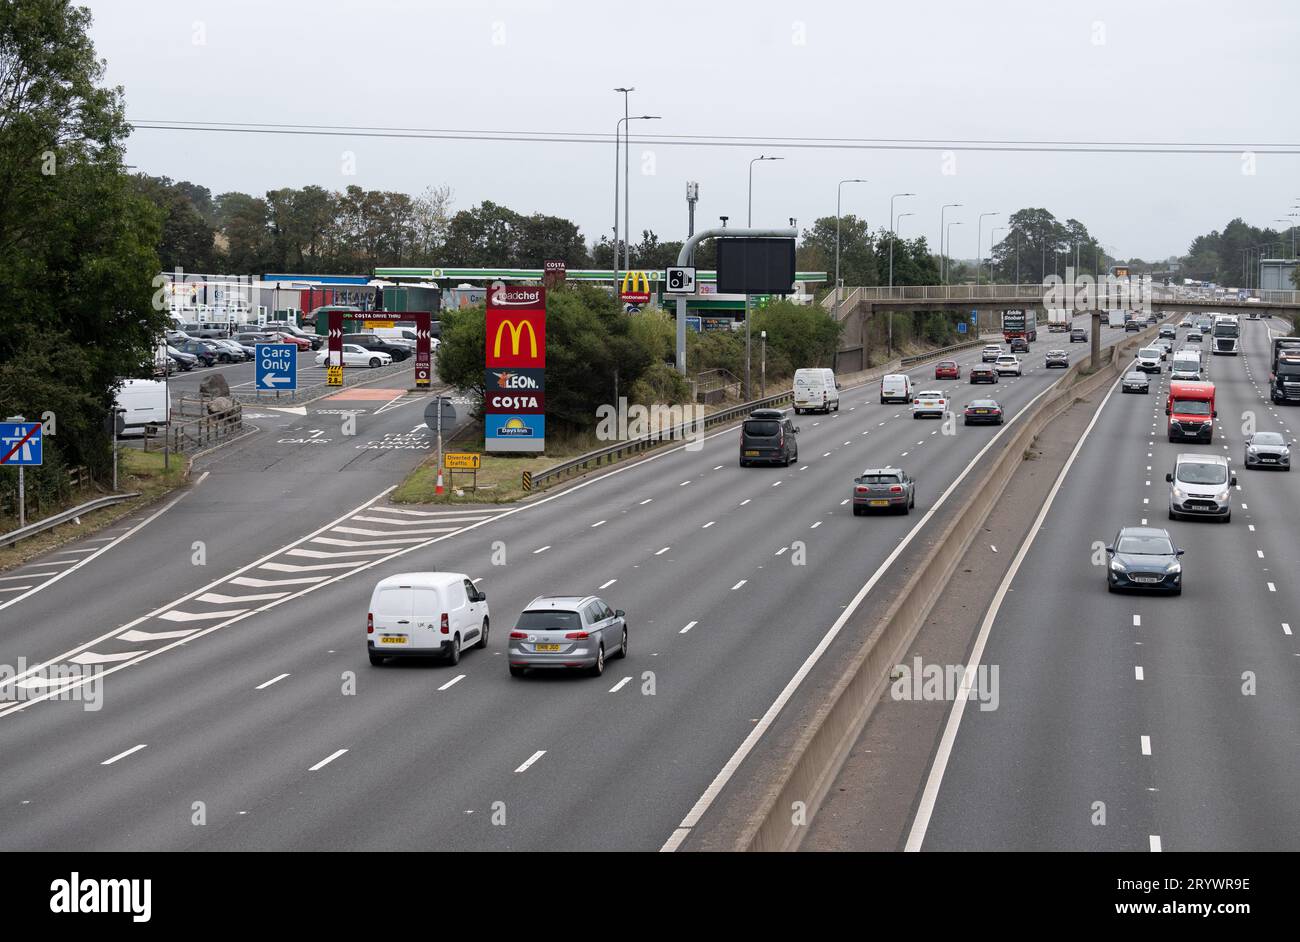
513, 406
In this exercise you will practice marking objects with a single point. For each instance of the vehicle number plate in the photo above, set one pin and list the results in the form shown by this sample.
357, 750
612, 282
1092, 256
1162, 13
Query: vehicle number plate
546, 647
1146, 578
751, 454
879, 503
392, 639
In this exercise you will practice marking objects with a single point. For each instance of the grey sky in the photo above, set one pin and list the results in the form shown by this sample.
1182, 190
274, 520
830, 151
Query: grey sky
1213, 72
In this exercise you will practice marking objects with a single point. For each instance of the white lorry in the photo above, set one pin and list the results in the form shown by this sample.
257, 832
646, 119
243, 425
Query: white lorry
1115, 318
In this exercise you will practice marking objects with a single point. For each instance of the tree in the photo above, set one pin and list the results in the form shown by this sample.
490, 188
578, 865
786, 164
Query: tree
78, 244
187, 237
859, 264
431, 217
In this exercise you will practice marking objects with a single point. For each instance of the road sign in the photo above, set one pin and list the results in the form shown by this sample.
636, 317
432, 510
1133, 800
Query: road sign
681, 280
334, 376
370, 323
462, 461
974, 317
277, 366
21, 444
961, 327
635, 288
431, 412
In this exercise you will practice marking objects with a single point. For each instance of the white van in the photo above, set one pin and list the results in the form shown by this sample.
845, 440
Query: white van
1186, 365
815, 389
425, 614
896, 387
144, 402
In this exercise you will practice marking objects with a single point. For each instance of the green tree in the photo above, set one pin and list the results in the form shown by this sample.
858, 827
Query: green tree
859, 263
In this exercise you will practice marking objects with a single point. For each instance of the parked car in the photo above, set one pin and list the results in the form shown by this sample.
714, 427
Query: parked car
279, 336
768, 436
354, 355
228, 351
315, 340
1144, 558
180, 360
397, 351
983, 374
204, 351
1268, 450
947, 369
983, 412
1078, 335
1056, 358
929, 402
423, 614
990, 353
567, 632
1007, 365
883, 489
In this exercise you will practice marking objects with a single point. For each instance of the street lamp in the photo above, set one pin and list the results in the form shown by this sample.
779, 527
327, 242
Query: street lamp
750, 223
979, 245
627, 209
891, 234
943, 262
948, 245
838, 192
993, 231
617, 127
1291, 226
891, 280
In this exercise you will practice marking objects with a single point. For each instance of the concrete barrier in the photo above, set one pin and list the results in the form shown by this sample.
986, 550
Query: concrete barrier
811, 764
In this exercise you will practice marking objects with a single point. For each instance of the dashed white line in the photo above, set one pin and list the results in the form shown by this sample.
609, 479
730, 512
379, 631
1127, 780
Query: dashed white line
327, 760
1137, 621
123, 755
609, 583
662, 551
707, 525
689, 626
451, 683
1137, 670
541, 549
1146, 745
646, 501
531, 759
1271, 587
598, 523
620, 685
273, 680
1155, 843
738, 584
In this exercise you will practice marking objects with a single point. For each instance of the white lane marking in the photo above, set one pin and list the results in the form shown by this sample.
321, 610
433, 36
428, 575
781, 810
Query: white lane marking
1155, 843
707, 525
815, 525
844, 501
1271, 587
265, 583
123, 755
620, 685
1259, 553
176, 614
780, 551
531, 759
30, 575
776, 483
217, 598
827, 455
598, 523
684, 483
689, 626
745, 501
338, 554
327, 760
542, 549
1250, 527
930, 794
16, 588
274, 680
609, 583
717, 468
662, 551
90, 657
1137, 621
646, 501
136, 636
1286, 628
103, 549
1137, 670
451, 683
738, 584
385, 541
1146, 745
361, 531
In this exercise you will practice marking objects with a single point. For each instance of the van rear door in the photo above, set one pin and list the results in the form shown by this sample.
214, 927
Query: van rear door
391, 611
428, 606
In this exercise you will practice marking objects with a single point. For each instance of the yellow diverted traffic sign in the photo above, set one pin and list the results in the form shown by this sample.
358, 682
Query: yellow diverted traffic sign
461, 461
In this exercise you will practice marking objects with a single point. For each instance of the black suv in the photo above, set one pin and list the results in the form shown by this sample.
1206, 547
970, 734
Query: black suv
1019, 345
768, 437
397, 351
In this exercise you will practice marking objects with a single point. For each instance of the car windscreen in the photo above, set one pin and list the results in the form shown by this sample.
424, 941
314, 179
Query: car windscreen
1288, 369
878, 479
1150, 352
548, 620
1268, 438
1196, 472
1192, 407
983, 404
762, 428
1136, 377
1146, 546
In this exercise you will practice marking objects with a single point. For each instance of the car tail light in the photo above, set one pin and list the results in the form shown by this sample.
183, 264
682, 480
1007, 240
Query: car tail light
446, 625
859, 490
896, 489
576, 635
519, 634
370, 623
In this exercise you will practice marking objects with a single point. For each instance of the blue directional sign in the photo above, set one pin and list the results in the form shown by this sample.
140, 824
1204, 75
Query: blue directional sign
974, 317
277, 366
961, 327
20, 443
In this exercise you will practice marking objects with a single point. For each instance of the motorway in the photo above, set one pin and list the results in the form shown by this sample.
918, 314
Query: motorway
1177, 714
243, 684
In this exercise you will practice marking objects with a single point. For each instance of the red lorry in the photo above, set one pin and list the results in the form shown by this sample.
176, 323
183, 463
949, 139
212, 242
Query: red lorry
1190, 408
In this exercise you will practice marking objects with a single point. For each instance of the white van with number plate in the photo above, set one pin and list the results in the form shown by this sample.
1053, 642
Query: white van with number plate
425, 614
896, 387
814, 389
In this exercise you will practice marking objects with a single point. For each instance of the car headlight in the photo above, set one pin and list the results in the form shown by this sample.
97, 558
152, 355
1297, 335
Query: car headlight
1250, 450
1174, 569
1117, 566
1224, 496
1178, 493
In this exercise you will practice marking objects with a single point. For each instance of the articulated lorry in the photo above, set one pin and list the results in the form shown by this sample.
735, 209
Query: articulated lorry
1019, 324
1225, 334
1059, 320
1115, 318
1284, 373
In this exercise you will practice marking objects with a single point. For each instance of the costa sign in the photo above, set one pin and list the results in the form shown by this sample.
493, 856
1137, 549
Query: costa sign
514, 382
531, 403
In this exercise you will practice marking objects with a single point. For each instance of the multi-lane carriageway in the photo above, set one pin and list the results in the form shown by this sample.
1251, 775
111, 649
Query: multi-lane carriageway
1142, 703
254, 714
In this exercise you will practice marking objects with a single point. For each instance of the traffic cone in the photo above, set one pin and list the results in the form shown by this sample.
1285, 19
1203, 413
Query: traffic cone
439, 487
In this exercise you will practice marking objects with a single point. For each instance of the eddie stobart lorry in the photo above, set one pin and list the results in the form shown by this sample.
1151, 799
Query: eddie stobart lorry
1023, 324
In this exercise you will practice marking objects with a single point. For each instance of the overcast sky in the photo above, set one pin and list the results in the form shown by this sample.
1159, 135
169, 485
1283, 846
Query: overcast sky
1186, 71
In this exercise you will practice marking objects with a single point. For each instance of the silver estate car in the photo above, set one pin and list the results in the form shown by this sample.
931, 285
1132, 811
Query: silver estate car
567, 631
883, 489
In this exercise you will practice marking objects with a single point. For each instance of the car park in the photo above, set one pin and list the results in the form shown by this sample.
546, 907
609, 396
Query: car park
279, 336
1019, 345
1135, 381
567, 632
354, 355
181, 360
1268, 450
983, 412
202, 350
947, 369
1056, 359
1201, 486
397, 351
929, 402
815, 389
983, 374
883, 489
1078, 335
1148, 359
1007, 365
1144, 558
425, 614
896, 387
990, 353
768, 436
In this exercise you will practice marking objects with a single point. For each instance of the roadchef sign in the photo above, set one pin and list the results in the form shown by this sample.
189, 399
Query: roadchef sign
514, 383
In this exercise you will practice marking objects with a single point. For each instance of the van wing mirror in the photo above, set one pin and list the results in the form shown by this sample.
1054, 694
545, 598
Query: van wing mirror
1169, 477
1234, 480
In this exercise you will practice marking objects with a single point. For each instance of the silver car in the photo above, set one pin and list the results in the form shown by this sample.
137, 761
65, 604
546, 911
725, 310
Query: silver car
883, 489
567, 631
1268, 450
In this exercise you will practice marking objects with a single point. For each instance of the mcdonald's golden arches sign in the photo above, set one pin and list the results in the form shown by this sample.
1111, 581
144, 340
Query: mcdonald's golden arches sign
635, 288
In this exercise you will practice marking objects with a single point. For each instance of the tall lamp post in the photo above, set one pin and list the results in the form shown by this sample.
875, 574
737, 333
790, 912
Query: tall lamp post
891, 284
979, 245
891, 234
839, 190
617, 131
750, 224
943, 261
948, 245
627, 210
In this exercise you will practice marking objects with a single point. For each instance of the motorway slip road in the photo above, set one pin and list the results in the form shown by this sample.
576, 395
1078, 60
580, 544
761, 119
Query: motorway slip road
273, 718
1179, 714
